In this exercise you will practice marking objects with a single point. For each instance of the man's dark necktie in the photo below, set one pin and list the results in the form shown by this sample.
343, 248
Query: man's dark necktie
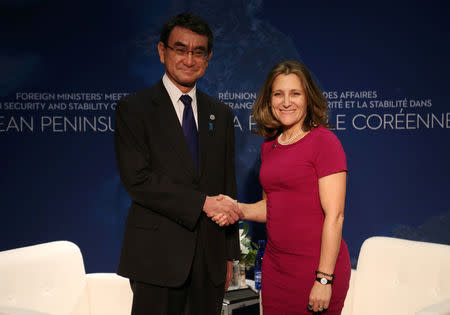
189, 127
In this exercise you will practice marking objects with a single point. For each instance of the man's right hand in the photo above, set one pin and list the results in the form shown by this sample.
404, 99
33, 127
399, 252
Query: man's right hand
218, 206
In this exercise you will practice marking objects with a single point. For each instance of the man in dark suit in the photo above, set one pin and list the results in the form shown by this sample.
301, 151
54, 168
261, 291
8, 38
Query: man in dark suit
175, 154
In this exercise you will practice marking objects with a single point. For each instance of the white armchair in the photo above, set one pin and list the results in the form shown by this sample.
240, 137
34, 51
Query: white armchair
396, 276
49, 279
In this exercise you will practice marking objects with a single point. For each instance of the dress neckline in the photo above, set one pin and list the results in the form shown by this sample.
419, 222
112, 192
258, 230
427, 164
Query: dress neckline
298, 141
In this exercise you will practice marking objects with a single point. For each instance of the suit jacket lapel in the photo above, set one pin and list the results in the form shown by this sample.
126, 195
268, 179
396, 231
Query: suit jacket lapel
170, 129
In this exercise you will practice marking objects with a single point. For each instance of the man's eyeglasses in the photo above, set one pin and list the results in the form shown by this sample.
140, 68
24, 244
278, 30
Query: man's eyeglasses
183, 51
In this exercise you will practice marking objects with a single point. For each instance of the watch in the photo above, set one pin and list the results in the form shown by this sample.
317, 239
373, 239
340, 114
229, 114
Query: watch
324, 281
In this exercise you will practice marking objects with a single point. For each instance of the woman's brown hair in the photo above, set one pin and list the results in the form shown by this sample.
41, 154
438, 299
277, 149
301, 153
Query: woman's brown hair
317, 104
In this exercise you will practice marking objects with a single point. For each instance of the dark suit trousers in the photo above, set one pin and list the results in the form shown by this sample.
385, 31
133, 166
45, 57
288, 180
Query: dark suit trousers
197, 296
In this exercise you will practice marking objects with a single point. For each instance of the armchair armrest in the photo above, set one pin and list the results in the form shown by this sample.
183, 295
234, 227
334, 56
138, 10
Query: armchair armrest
109, 294
441, 308
12, 310
348, 304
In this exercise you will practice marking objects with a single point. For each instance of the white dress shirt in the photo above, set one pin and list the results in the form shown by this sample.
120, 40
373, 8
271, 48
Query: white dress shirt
175, 94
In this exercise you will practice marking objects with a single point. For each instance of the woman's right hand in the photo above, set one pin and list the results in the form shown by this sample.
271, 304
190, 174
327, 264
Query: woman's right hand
222, 218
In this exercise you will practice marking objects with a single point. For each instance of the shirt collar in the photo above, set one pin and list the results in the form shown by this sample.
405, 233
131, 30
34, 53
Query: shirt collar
175, 93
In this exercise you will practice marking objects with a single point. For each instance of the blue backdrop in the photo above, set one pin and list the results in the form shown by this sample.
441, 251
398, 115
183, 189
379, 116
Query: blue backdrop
383, 66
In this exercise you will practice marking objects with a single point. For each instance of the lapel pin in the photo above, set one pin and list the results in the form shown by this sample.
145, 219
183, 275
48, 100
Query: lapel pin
211, 124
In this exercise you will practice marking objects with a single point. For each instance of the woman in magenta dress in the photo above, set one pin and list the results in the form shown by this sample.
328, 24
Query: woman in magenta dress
306, 265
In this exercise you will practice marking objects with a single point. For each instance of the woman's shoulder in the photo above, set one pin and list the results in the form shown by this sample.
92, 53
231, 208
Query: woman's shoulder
323, 134
267, 143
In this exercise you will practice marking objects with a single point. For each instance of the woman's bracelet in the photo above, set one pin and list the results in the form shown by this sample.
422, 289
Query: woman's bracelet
325, 274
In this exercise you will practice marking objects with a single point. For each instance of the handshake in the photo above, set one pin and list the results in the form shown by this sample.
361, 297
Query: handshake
222, 209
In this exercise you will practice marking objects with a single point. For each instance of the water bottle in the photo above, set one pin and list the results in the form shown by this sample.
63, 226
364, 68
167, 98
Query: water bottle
258, 263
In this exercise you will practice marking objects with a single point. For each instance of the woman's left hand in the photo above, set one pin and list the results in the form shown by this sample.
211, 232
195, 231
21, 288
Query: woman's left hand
319, 298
